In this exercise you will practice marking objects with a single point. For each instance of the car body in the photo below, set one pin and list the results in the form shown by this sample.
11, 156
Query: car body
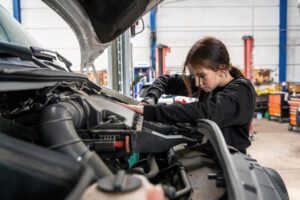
60, 133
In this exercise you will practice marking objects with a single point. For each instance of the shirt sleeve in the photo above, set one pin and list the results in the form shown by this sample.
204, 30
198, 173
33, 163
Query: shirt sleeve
231, 106
166, 84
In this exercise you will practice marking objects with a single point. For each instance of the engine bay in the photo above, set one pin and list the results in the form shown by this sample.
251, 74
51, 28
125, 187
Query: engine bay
66, 118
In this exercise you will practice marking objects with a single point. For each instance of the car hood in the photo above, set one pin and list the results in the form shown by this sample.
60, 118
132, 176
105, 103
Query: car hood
97, 22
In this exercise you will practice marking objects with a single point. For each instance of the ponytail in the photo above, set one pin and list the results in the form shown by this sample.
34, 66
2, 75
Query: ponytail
235, 72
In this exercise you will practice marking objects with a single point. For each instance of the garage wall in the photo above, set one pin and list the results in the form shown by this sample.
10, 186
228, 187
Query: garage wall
227, 20
180, 23
51, 31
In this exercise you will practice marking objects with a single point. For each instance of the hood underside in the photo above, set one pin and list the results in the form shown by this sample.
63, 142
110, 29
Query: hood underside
98, 22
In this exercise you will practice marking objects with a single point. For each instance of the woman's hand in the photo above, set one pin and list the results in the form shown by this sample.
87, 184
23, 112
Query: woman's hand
141, 103
136, 108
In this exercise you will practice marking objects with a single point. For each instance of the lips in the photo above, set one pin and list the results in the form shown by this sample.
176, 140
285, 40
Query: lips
206, 89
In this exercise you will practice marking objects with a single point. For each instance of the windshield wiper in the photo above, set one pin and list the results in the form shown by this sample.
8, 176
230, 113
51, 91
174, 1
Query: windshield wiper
15, 50
39, 56
13, 71
47, 54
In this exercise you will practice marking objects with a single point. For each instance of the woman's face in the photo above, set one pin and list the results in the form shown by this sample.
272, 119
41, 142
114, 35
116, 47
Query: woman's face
205, 78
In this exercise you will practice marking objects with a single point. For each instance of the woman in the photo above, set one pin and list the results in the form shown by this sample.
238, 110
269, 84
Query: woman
225, 96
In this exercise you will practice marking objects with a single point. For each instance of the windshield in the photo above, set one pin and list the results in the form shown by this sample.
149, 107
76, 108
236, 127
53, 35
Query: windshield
12, 32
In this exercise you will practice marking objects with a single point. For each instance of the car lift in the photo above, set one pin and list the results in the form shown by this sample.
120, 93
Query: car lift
248, 62
161, 52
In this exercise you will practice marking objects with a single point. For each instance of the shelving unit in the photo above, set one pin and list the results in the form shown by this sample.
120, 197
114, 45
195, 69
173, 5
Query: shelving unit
278, 107
294, 112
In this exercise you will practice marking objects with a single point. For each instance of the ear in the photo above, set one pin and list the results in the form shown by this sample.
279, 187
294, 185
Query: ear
222, 73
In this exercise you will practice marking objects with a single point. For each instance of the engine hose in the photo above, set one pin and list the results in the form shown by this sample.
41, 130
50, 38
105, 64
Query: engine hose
57, 129
154, 170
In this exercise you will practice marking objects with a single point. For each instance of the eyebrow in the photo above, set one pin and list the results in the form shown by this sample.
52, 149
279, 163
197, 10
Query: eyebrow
199, 73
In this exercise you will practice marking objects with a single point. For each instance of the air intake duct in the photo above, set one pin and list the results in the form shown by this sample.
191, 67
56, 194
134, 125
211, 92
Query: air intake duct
57, 129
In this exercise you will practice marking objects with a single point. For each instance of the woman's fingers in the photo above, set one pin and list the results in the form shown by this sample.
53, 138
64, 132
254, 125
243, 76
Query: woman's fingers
136, 108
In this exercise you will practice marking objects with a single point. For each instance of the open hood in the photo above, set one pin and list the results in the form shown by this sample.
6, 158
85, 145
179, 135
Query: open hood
97, 22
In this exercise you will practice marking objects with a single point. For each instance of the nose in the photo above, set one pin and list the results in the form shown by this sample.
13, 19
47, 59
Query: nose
197, 81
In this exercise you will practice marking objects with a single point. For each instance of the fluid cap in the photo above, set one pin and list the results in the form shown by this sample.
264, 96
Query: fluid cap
119, 183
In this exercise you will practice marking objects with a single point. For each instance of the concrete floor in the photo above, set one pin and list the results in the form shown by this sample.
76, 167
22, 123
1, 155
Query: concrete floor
276, 147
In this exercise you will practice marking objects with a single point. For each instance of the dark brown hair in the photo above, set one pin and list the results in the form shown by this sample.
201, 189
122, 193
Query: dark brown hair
212, 54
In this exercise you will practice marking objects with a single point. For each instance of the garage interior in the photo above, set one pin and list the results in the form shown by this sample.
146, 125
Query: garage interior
263, 39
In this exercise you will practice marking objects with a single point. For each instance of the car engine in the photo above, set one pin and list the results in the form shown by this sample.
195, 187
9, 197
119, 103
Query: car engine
67, 119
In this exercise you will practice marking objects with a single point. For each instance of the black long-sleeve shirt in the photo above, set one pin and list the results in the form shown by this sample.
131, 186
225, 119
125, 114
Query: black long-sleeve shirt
231, 107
